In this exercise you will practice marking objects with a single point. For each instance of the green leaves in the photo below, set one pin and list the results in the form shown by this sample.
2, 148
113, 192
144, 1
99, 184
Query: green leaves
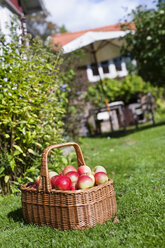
18, 148
146, 45
6, 179
31, 111
124, 90
2, 169
12, 164
33, 152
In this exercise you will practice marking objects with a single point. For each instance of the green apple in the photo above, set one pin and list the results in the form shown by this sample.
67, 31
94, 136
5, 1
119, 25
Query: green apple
98, 168
52, 174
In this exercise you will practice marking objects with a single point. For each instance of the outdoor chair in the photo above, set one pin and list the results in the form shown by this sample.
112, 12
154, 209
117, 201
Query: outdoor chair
143, 110
112, 120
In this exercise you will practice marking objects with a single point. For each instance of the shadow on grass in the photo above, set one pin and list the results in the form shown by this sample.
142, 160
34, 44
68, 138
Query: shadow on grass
17, 215
133, 129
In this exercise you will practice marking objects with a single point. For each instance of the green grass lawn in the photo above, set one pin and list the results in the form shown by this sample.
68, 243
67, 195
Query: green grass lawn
136, 164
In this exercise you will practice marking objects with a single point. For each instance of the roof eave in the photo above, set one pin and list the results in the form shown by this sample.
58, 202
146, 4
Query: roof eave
31, 6
11, 7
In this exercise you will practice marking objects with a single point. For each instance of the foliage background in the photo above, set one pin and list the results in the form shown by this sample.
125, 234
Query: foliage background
31, 107
125, 90
146, 44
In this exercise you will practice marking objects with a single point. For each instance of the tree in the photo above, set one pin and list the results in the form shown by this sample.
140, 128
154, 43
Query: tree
63, 29
147, 43
39, 25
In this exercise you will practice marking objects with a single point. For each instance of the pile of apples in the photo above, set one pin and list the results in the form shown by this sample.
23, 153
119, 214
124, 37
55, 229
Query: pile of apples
72, 179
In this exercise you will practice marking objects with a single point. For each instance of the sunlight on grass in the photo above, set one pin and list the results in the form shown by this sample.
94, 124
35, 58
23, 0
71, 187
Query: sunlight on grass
136, 164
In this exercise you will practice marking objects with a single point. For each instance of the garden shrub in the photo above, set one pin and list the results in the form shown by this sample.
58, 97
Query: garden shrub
161, 106
125, 90
31, 107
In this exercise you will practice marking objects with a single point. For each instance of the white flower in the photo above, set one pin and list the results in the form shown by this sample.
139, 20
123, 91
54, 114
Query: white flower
161, 11
149, 38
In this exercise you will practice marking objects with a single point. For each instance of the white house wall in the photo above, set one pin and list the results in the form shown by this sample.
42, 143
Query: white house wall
113, 73
5, 19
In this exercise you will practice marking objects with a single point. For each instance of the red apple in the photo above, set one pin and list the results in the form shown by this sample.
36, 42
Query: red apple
93, 178
74, 186
84, 170
73, 175
85, 182
68, 168
99, 168
100, 178
37, 181
61, 173
54, 179
63, 183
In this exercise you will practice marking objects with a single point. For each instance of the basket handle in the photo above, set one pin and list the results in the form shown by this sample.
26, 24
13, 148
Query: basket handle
44, 181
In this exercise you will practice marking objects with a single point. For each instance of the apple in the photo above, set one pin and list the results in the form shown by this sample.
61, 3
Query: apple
63, 183
53, 180
61, 173
99, 168
52, 174
93, 178
73, 175
101, 177
84, 182
74, 186
37, 181
68, 168
84, 170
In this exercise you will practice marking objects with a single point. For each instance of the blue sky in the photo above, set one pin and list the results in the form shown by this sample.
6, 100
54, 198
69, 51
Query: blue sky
78, 15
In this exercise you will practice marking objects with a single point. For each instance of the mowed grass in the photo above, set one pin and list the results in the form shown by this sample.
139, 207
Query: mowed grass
136, 163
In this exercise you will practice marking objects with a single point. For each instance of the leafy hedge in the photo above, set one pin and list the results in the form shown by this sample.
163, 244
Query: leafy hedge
31, 107
125, 90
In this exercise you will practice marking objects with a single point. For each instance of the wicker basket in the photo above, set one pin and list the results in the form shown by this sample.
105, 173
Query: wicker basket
64, 210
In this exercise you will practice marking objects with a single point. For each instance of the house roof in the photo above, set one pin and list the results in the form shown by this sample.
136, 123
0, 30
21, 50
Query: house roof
32, 6
65, 38
17, 5
24, 6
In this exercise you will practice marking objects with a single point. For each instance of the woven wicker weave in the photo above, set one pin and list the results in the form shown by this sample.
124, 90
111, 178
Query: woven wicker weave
66, 210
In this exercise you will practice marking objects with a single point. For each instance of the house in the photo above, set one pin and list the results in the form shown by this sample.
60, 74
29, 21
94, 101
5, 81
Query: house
101, 59
19, 7
101, 50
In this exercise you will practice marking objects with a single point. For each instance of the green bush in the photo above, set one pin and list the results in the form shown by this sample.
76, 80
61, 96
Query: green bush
161, 106
31, 107
125, 90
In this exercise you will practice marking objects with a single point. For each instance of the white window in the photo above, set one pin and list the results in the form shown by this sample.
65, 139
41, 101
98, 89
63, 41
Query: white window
107, 69
94, 68
117, 63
